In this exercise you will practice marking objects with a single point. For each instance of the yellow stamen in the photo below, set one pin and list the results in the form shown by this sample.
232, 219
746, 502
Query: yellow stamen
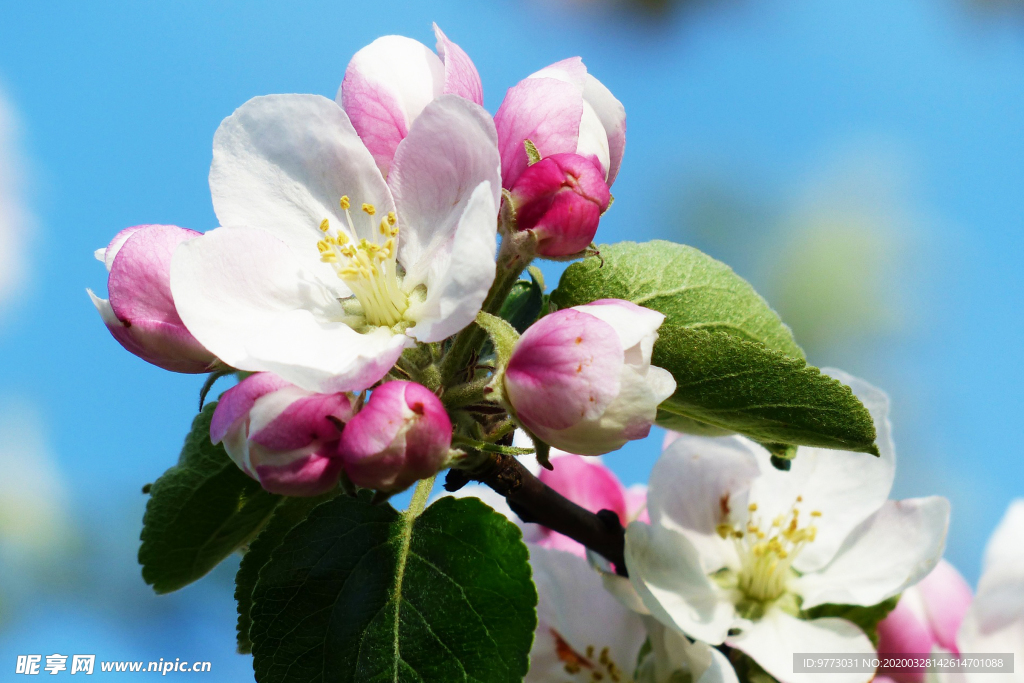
369, 209
345, 203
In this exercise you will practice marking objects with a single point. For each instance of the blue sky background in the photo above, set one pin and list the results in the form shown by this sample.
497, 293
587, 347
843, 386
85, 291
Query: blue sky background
781, 117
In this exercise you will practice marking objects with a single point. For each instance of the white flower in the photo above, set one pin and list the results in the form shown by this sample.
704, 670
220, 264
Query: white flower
326, 271
585, 635
995, 620
737, 549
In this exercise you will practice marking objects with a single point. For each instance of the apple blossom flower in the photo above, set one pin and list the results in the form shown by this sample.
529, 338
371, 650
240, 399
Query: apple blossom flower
280, 435
581, 378
995, 620
561, 198
140, 312
561, 109
584, 634
389, 82
591, 485
927, 617
298, 285
403, 434
737, 550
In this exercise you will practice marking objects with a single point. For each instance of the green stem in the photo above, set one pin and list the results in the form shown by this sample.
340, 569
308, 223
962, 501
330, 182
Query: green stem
419, 497
465, 394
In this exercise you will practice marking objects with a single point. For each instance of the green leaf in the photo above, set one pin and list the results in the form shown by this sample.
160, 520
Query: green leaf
736, 365
726, 382
363, 593
524, 303
867, 618
199, 512
290, 512
692, 289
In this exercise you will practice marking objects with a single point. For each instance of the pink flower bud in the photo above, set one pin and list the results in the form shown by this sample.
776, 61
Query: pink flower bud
561, 199
284, 437
140, 312
927, 616
581, 378
401, 435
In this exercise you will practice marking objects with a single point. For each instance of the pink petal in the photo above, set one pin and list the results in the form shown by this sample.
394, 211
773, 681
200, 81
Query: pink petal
236, 402
140, 274
385, 88
571, 70
115, 244
587, 483
460, 75
903, 633
309, 475
305, 421
946, 595
546, 111
564, 368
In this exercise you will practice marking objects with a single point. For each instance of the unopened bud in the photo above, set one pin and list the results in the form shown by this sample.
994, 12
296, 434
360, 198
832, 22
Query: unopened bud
561, 199
401, 435
284, 437
581, 378
140, 311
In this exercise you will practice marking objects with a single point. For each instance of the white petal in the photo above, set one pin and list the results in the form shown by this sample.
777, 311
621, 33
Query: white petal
995, 620
891, 550
573, 605
593, 140
666, 572
104, 309
612, 116
460, 272
672, 652
619, 586
774, 639
635, 325
695, 484
450, 151
844, 487
283, 162
242, 292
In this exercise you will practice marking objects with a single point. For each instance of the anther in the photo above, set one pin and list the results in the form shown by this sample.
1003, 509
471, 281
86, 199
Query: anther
345, 203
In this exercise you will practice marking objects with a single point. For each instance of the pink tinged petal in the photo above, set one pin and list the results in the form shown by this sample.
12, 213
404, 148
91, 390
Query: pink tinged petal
460, 75
891, 550
561, 199
546, 111
451, 150
904, 632
235, 403
459, 280
402, 434
243, 293
106, 256
612, 116
946, 596
564, 369
282, 162
636, 504
306, 475
665, 569
571, 70
296, 422
773, 639
140, 313
386, 86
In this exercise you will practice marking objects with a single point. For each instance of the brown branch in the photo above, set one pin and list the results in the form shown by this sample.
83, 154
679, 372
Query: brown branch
535, 501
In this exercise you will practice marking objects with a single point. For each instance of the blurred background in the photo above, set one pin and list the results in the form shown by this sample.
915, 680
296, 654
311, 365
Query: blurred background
860, 161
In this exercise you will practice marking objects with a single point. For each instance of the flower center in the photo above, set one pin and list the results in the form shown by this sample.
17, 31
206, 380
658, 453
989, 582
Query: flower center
583, 667
370, 269
767, 553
